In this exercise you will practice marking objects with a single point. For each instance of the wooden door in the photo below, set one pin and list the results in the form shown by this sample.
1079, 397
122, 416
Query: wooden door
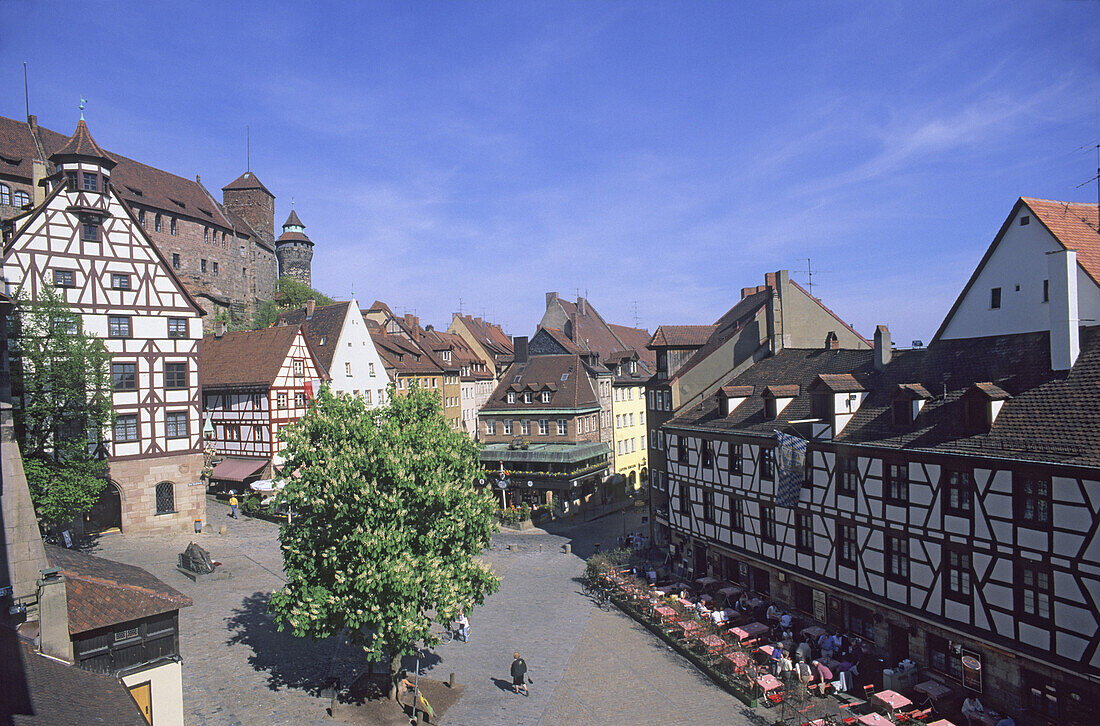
142, 695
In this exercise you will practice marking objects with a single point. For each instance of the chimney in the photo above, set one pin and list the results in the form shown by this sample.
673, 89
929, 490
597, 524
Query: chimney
832, 342
413, 324
1065, 342
519, 348
53, 616
883, 348
582, 306
38, 180
220, 327
769, 279
550, 298
311, 305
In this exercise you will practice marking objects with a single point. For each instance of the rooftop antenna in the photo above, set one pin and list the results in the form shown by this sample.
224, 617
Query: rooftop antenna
247, 148
26, 93
635, 310
460, 306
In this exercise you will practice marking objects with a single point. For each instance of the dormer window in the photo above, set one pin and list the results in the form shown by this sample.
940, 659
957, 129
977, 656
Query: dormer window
821, 404
511, 396
70, 181
527, 397
546, 396
633, 366
902, 412
141, 217
982, 403
776, 398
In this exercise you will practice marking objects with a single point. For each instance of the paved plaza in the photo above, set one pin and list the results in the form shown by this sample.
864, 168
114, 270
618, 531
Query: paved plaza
589, 666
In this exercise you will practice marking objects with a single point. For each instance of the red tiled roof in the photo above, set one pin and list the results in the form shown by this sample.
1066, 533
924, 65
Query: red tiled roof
244, 358
293, 220
782, 391
322, 329
102, 592
403, 355
681, 336
248, 180
737, 391
991, 391
545, 371
1074, 225
294, 237
81, 143
839, 383
636, 339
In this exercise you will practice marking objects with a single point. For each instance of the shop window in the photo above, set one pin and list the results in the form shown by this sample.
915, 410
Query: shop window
944, 657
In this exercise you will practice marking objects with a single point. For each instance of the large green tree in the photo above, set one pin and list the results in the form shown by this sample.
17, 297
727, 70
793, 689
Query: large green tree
61, 379
387, 523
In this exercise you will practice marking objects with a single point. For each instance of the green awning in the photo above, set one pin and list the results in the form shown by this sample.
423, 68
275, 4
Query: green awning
545, 453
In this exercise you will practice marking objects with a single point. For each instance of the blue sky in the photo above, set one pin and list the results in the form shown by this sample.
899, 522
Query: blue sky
658, 156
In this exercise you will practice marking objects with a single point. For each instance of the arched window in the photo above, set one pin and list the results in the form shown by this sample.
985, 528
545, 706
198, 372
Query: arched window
22, 198
5, 194
166, 498
156, 223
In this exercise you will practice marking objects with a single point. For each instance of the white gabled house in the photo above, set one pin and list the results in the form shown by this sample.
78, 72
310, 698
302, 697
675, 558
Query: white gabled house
84, 241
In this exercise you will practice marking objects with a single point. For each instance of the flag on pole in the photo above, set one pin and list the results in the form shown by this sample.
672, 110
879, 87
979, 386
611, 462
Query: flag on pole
790, 455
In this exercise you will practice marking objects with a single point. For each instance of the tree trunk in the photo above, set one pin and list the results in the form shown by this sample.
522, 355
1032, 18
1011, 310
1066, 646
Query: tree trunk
395, 668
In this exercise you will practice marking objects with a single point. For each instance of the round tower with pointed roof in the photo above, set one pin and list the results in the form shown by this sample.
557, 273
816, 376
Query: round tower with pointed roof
85, 169
295, 251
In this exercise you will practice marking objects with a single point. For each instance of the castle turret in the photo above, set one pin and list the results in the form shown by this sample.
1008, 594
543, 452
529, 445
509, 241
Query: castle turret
85, 170
294, 251
247, 197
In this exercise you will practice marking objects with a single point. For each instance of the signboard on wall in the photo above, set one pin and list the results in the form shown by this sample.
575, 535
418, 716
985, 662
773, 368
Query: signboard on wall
972, 670
819, 606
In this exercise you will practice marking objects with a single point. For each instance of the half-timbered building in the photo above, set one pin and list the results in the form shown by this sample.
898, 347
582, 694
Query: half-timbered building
255, 383
84, 241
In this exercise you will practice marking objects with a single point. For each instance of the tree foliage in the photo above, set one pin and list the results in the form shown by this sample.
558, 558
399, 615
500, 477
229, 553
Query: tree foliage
289, 293
61, 377
387, 522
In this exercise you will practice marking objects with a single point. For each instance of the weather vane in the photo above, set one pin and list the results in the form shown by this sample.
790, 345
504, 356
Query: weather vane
83, 103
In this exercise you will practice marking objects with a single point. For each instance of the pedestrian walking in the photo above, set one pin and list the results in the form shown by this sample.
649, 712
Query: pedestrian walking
519, 674
233, 505
463, 624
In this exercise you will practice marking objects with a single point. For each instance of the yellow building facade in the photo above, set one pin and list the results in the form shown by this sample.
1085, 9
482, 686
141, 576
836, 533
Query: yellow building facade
628, 416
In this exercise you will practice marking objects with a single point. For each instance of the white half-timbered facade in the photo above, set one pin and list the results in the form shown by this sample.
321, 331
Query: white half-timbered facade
84, 242
948, 509
254, 383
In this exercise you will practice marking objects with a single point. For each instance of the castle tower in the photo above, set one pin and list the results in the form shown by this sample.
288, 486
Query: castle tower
294, 250
247, 197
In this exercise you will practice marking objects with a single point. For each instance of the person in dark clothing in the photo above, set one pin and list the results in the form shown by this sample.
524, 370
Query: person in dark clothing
519, 674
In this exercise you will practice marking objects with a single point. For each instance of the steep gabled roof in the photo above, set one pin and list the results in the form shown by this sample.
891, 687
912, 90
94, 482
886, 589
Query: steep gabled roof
248, 358
103, 592
402, 354
81, 144
322, 329
293, 220
636, 339
575, 391
727, 326
248, 180
681, 336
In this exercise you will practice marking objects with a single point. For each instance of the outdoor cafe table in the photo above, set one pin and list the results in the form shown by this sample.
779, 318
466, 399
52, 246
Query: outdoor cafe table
686, 603
814, 631
933, 689
768, 682
704, 581
738, 658
891, 700
752, 630
665, 611
941, 722
768, 650
874, 719
730, 591
714, 643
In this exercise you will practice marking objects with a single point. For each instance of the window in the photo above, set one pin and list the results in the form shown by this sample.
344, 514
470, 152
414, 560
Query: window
957, 486
118, 326
735, 463
205, 234
956, 573
5, 194
895, 481
708, 505
527, 397
660, 441
525, 427
1025, 220
175, 261
370, 368
124, 376
202, 265
120, 281
490, 427
1032, 499
166, 498
562, 427
63, 278
126, 428
681, 450
141, 217
173, 227
1046, 291
280, 400
511, 396
508, 427
544, 427
897, 558
846, 548
706, 453
685, 499
175, 424
941, 657
215, 269
737, 515
175, 376
347, 368
177, 327
767, 463
995, 299
803, 532
232, 432
546, 396
89, 230
1055, 702
1033, 591
156, 223
300, 399
299, 368
902, 409
847, 475
767, 523
91, 182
